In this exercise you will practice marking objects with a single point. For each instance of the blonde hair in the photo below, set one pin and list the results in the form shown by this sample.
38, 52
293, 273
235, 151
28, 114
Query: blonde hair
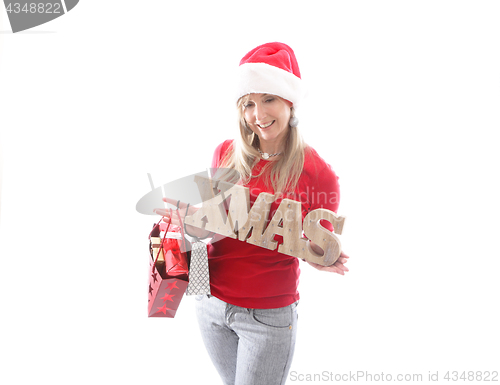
282, 175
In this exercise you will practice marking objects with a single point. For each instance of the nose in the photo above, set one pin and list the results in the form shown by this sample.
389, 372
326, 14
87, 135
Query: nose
260, 112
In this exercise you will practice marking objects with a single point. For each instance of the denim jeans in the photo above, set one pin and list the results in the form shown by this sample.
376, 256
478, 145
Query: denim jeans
248, 346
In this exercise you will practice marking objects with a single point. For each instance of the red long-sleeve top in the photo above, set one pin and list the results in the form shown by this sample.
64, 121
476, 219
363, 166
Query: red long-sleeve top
250, 276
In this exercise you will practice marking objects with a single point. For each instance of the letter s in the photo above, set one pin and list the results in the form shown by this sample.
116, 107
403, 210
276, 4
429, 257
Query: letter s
324, 238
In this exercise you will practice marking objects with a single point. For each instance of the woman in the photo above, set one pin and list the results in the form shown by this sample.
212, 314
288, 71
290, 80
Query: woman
248, 323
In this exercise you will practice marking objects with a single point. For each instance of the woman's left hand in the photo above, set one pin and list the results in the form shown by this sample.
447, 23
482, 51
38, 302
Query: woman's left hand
338, 267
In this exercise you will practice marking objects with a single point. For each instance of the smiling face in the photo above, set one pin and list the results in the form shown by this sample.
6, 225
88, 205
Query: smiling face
268, 116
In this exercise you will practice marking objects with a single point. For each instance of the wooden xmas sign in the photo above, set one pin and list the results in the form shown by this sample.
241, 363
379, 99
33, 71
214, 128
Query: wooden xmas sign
228, 213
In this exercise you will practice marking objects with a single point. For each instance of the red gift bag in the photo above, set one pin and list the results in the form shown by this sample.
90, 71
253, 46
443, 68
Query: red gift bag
169, 270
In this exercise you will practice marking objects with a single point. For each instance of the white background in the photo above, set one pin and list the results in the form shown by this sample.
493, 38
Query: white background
403, 103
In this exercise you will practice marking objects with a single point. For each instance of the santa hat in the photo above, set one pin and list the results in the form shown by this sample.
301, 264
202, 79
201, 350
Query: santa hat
270, 68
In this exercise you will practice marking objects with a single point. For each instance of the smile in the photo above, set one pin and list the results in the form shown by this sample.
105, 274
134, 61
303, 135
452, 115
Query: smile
266, 125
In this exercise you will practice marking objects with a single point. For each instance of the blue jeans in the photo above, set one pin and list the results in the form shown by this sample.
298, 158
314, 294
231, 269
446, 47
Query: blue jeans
248, 346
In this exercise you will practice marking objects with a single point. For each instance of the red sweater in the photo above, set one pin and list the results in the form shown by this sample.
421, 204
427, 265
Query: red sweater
250, 276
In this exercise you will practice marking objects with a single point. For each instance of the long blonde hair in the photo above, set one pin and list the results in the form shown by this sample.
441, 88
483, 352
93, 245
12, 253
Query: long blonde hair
283, 174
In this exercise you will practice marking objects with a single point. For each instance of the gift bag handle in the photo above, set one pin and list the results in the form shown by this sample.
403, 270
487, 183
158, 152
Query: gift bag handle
165, 235
182, 225
163, 240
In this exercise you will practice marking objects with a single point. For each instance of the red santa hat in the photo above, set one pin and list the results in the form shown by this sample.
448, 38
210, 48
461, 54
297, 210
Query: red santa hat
270, 68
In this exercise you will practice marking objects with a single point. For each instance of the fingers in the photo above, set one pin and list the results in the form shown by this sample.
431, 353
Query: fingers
169, 216
174, 202
172, 216
333, 269
340, 266
162, 212
185, 208
166, 214
337, 267
174, 221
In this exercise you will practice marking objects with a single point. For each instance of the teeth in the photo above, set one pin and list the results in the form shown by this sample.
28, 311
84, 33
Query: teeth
266, 125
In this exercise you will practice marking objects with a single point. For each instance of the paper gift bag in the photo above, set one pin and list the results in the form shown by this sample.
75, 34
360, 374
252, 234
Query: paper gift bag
165, 294
169, 271
199, 275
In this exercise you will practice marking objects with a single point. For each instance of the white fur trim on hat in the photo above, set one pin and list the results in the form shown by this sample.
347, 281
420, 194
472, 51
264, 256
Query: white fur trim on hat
261, 78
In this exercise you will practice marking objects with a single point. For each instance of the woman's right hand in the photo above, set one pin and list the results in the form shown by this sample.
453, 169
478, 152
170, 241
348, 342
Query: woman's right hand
171, 215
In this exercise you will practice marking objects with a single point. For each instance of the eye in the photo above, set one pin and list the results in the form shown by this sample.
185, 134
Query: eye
269, 100
248, 105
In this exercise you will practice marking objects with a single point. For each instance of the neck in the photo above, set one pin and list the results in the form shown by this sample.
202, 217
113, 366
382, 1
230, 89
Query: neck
270, 147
